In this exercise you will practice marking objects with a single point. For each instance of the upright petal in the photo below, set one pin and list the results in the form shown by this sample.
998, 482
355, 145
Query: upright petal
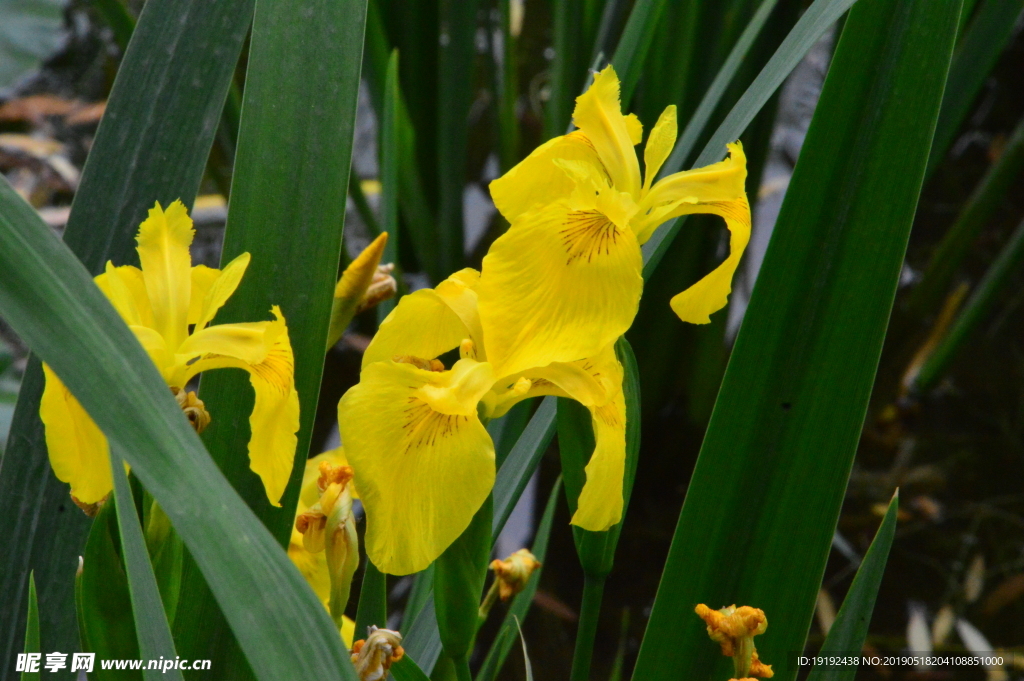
561, 284
537, 180
598, 114
430, 322
78, 451
659, 144
164, 238
422, 474
220, 289
202, 279
126, 290
275, 416
711, 294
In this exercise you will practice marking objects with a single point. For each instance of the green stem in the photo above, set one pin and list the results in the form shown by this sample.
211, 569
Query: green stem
373, 600
462, 672
593, 591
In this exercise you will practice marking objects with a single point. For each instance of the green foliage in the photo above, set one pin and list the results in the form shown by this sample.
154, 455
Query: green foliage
32, 628
766, 492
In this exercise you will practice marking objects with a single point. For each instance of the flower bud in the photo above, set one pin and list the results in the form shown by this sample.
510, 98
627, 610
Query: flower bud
514, 572
734, 630
374, 656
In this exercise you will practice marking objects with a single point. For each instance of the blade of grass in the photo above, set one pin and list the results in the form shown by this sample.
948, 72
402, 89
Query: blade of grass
814, 22
407, 670
499, 650
956, 243
50, 301
508, 89
515, 473
713, 96
154, 634
788, 417
985, 39
390, 164
32, 628
974, 312
152, 145
455, 89
850, 629
373, 600
287, 210
631, 51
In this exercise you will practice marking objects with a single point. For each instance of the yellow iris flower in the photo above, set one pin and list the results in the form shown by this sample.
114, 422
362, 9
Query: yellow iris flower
565, 280
414, 431
160, 303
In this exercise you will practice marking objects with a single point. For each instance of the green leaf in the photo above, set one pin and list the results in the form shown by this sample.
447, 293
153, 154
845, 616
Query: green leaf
407, 670
956, 243
390, 165
850, 629
976, 55
151, 628
32, 628
520, 606
526, 656
518, 467
166, 552
715, 92
974, 312
152, 145
286, 210
814, 22
30, 31
108, 627
48, 298
454, 96
631, 51
373, 600
459, 575
766, 492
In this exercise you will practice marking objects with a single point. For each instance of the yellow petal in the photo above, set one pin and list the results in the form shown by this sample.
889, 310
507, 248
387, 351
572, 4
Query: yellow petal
561, 284
358, 275
599, 115
245, 341
202, 279
600, 502
220, 289
635, 128
422, 474
164, 238
659, 144
429, 322
156, 348
536, 180
126, 290
275, 416
692, 191
711, 293
78, 451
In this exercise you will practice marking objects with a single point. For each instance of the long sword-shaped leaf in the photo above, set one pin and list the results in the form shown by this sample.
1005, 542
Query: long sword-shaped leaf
51, 302
987, 35
31, 628
287, 209
154, 634
768, 485
814, 22
152, 145
631, 51
850, 629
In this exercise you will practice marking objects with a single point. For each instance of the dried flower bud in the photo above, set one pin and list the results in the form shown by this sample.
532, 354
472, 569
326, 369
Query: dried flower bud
514, 572
193, 407
374, 656
734, 630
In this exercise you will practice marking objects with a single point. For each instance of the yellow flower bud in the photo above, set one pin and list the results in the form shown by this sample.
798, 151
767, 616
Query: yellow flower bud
363, 284
374, 655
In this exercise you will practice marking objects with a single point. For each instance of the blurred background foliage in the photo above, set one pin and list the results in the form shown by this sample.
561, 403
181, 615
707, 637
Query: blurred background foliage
482, 82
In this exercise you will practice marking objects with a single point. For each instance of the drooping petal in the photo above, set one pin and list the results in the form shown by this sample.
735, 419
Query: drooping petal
422, 473
79, 453
598, 114
125, 289
202, 279
600, 503
275, 416
659, 144
164, 238
536, 180
561, 284
220, 289
429, 322
692, 191
711, 294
